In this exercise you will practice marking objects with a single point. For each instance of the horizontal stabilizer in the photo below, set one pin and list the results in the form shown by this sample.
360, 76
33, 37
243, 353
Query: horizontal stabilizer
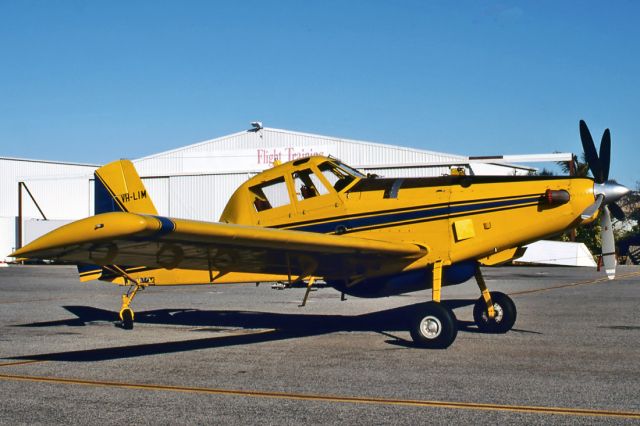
89, 272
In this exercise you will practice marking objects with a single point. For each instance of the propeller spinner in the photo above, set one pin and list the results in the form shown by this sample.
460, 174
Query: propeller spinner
607, 192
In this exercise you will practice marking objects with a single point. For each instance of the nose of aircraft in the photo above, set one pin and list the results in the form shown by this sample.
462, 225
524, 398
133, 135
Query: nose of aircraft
611, 190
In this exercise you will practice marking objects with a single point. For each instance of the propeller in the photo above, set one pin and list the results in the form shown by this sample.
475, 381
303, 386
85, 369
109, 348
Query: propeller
607, 193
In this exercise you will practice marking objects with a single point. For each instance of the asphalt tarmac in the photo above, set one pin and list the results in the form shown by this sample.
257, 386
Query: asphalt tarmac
241, 354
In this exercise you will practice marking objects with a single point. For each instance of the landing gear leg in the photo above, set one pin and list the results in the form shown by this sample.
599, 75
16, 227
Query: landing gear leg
494, 312
126, 313
435, 325
306, 293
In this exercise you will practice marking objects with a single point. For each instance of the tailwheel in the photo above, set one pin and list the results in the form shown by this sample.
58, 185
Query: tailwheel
504, 314
126, 316
126, 313
434, 327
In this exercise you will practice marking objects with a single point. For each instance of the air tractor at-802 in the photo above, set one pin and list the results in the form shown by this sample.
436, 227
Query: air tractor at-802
316, 217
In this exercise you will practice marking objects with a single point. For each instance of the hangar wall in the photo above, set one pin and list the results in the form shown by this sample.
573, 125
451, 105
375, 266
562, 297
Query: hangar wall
14, 170
60, 188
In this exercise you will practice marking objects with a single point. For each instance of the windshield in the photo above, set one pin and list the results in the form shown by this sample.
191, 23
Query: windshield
338, 175
350, 170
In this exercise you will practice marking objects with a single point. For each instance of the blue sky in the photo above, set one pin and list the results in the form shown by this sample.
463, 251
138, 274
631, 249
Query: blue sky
92, 81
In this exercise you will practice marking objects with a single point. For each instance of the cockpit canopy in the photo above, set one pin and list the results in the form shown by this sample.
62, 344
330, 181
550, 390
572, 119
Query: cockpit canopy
290, 184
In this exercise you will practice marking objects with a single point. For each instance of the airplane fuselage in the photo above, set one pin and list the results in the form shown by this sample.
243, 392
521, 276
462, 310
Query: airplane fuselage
454, 219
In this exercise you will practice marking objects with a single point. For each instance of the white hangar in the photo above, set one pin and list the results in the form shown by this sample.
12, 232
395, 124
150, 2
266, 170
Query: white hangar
196, 181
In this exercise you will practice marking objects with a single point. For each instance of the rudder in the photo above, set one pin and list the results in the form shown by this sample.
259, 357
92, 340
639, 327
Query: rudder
118, 188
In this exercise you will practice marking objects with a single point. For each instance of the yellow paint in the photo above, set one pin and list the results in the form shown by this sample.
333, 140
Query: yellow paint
464, 229
122, 181
437, 281
491, 312
502, 256
456, 405
89, 276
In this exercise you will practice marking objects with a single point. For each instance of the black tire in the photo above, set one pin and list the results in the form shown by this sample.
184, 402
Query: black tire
127, 319
434, 327
505, 311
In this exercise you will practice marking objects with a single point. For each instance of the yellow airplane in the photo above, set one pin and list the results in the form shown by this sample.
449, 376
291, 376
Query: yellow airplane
365, 236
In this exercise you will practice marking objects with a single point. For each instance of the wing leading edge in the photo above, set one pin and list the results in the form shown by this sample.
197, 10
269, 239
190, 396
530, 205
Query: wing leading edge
159, 242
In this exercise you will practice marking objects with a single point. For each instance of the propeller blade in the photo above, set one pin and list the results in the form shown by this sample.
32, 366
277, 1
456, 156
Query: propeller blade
605, 154
590, 152
616, 211
608, 244
591, 210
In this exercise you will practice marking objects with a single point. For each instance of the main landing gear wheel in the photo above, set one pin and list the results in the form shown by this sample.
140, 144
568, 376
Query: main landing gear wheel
434, 327
505, 314
126, 315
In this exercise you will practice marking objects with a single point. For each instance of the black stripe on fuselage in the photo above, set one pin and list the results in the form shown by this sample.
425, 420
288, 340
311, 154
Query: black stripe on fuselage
381, 184
396, 210
413, 214
451, 216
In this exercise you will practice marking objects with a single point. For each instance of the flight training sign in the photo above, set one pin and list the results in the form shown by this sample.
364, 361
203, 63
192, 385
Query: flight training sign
246, 160
266, 156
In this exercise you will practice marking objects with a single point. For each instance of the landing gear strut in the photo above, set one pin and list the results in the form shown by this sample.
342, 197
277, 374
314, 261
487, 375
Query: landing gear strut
504, 317
494, 312
126, 313
435, 325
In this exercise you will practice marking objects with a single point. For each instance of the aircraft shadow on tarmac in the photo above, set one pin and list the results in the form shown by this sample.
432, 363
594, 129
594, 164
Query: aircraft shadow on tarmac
284, 325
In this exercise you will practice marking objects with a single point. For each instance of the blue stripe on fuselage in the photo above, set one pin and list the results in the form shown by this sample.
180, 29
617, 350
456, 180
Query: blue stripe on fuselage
166, 226
390, 219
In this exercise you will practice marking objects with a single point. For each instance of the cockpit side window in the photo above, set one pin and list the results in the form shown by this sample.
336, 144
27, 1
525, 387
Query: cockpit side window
270, 194
308, 185
337, 176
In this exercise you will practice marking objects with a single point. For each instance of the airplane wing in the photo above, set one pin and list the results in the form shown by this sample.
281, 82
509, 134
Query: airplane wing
122, 238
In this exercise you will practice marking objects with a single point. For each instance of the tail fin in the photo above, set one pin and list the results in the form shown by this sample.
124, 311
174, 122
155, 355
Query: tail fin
118, 188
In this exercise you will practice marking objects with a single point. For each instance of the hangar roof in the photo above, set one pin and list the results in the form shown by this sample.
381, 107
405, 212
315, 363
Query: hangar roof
60, 163
270, 135
255, 150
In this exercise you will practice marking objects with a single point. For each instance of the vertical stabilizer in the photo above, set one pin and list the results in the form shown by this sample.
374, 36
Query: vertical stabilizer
118, 188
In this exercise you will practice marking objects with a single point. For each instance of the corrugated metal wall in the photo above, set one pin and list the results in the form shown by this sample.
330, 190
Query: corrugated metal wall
198, 197
14, 170
158, 190
60, 189
58, 198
